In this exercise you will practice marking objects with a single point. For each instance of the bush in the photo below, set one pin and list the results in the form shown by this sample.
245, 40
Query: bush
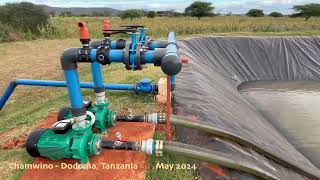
151, 14
25, 17
131, 13
276, 14
255, 13
8, 33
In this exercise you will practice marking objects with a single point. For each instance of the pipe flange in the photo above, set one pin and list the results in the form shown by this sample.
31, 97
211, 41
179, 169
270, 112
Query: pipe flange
127, 55
138, 57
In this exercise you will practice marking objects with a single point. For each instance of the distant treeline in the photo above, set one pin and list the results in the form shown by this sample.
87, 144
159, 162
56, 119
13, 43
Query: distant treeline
25, 21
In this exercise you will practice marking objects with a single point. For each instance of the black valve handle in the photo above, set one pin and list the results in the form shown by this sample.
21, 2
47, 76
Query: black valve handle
119, 31
133, 26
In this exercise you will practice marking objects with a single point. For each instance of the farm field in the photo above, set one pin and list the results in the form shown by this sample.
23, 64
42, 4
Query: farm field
65, 27
39, 59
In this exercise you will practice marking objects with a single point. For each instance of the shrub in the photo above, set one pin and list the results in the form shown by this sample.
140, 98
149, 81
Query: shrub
151, 14
24, 16
255, 13
131, 13
8, 33
276, 14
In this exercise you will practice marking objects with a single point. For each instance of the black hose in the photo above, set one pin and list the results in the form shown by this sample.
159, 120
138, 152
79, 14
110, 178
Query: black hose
125, 118
218, 158
205, 127
117, 145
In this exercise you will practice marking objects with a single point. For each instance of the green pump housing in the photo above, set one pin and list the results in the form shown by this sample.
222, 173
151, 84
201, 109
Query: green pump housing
105, 117
78, 143
67, 140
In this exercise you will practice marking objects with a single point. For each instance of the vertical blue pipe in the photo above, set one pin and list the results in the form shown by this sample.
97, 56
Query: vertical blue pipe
73, 85
97, 74
113, 45
173, 80
96, 70
142, 35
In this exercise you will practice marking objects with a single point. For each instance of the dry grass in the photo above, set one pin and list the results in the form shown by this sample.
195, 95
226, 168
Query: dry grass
186, 26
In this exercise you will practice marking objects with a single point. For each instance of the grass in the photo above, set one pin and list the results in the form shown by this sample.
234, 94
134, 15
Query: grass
62, 27
186, 26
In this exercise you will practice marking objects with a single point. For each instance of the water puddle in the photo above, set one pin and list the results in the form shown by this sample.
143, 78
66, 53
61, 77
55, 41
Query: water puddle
293, 108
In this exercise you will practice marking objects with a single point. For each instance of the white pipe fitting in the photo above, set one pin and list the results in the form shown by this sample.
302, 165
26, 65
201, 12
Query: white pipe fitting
147, 146
100, 97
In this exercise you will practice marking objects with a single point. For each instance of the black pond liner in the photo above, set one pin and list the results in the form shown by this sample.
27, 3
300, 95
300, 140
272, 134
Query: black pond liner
207, 90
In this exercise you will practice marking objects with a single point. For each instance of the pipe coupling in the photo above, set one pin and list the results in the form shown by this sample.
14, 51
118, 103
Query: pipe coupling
147, 146
156, 118
100, 97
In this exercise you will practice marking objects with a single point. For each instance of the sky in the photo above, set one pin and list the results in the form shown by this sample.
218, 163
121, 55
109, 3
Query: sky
221, 6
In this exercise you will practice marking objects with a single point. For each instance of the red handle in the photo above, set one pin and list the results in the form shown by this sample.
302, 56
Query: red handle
106, 25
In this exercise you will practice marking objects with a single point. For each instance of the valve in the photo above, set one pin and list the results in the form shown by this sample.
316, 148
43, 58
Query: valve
84, 33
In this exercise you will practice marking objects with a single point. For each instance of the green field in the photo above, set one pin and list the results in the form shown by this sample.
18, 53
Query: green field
39, 59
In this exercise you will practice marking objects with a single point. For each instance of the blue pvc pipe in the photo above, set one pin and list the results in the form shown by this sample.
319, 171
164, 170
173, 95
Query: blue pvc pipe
173, 80
46, 83
172, 49
117, 56
7, 94
74, 91
154, 45
96, 72
149, 57
113, 45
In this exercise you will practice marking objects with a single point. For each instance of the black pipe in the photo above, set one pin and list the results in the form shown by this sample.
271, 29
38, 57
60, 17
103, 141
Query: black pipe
125, 118
69, 59
95, 44
117, 145
162, 44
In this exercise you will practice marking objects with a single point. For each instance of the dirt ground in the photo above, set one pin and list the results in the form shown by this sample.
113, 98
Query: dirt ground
42, 55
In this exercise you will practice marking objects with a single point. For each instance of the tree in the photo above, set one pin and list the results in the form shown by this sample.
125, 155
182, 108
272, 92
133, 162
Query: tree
255, 13
307, 10
66, 14
276, 14
131, 13
151, 14
199, 9
24, 16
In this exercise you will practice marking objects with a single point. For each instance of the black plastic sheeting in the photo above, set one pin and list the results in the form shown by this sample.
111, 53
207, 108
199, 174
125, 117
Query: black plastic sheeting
207, 90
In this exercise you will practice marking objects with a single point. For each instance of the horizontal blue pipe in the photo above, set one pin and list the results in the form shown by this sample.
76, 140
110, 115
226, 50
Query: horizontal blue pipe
117, 56
46, 83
